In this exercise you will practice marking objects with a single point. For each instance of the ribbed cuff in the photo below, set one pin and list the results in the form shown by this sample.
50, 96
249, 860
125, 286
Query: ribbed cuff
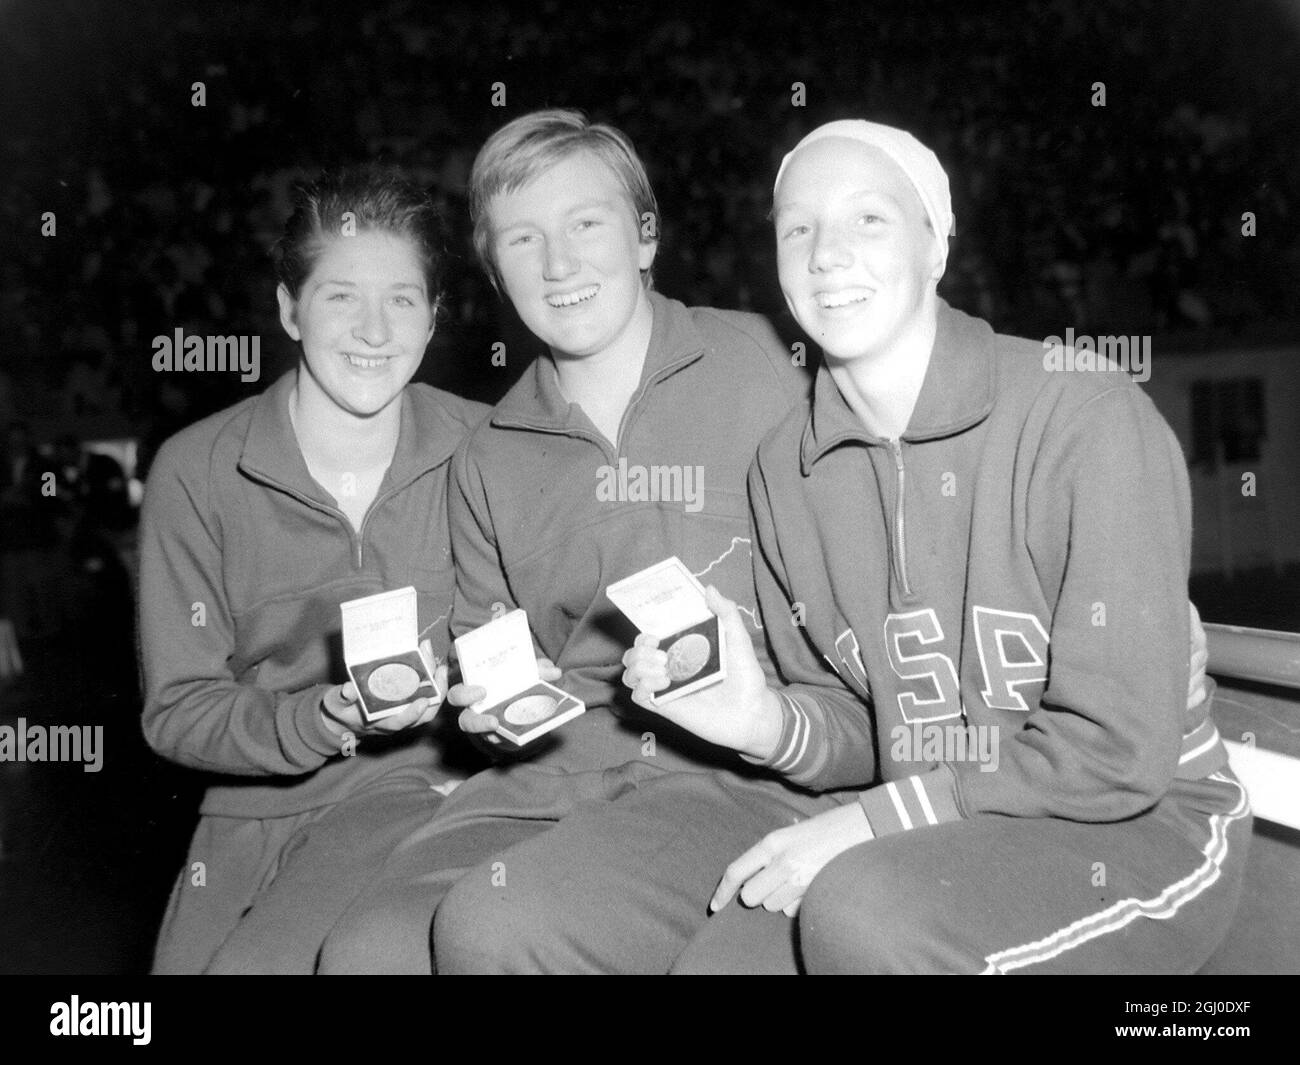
793, 742
926, 799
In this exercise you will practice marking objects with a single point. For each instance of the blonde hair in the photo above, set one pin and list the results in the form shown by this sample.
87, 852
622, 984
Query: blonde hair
522, 149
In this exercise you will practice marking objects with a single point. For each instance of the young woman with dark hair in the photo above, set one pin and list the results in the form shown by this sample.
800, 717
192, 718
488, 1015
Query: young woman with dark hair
258, 522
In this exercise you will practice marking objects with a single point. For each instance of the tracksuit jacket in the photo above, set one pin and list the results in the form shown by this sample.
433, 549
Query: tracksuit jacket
532, 526
244, 561
1016, 561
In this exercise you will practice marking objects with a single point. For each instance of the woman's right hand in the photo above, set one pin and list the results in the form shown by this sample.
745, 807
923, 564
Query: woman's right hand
469, 695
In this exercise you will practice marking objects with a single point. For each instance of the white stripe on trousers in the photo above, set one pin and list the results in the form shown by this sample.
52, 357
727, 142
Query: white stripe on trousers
1126, 911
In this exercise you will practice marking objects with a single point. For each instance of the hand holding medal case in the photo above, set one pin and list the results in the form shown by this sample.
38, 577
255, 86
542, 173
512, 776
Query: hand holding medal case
381, 649
667, 602
499, 658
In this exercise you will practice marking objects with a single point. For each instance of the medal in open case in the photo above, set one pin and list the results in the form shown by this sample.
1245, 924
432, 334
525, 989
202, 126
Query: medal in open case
666, 601
499, 658
381, 649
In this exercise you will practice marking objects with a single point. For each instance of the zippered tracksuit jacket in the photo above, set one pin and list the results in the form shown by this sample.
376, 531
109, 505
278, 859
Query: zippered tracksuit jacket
1011, 573
545, 514
244, 562
982, 630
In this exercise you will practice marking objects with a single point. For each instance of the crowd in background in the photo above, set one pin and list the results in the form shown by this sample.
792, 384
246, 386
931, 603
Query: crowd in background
1122, 218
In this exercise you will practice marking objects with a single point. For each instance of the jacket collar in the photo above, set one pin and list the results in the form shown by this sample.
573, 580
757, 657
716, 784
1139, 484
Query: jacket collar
425, 440
958, 391
536, 402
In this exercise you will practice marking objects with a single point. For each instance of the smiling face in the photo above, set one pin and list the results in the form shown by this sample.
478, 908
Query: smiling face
568, 251
856, 257
363, 318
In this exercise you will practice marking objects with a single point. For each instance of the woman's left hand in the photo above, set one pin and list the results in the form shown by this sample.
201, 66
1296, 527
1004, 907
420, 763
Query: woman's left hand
776, 871
341, 712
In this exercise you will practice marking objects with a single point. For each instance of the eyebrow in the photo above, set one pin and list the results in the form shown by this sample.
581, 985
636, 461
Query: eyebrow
587, 205
861, 194
577, 208
864, 194
353, 284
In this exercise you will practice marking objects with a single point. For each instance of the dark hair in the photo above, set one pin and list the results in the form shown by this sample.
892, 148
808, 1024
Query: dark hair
356, 199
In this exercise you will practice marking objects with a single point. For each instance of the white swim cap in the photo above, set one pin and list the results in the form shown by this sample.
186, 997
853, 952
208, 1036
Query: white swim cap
921, 166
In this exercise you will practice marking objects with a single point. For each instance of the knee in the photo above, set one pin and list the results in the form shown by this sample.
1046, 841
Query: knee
487, 926
230, 962
859, 916
378, 938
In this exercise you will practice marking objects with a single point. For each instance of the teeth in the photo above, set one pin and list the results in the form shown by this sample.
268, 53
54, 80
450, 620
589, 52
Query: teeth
570, 298
828, 300
365, 364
